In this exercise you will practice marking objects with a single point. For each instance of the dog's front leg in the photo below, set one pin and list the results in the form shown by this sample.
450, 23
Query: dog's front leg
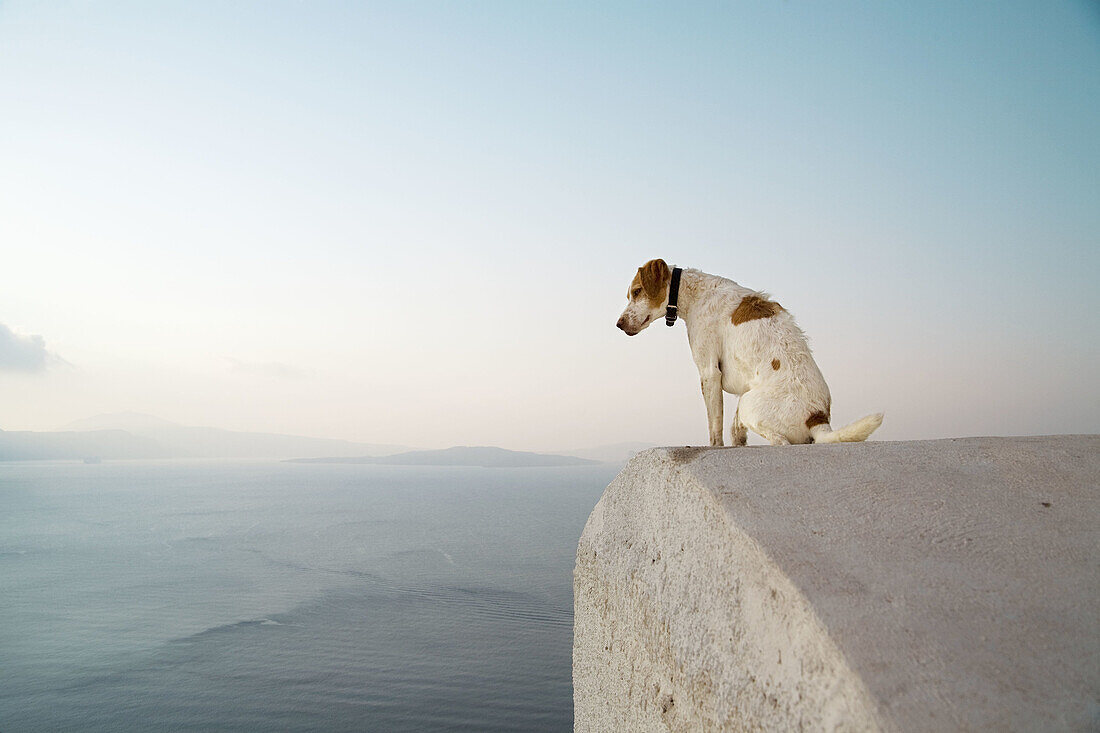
711, 381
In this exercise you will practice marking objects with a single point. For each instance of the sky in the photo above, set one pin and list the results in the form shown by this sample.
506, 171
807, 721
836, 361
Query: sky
415, 222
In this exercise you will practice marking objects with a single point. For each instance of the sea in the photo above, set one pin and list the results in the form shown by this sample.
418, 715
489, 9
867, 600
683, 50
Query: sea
270, 596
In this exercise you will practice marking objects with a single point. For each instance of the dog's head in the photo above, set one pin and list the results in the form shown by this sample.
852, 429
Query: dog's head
647, 296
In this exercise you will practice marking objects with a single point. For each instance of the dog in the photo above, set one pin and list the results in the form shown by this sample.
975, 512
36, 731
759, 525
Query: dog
746, 344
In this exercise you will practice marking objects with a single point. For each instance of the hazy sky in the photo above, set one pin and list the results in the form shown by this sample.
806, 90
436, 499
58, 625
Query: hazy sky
415, 222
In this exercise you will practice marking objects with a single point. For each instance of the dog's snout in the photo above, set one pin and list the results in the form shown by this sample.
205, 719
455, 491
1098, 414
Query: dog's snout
621, 323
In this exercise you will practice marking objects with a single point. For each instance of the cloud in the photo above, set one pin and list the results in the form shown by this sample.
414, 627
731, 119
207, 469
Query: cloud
267, 369
19, 353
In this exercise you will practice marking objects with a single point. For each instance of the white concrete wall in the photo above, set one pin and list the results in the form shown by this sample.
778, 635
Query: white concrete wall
934, 585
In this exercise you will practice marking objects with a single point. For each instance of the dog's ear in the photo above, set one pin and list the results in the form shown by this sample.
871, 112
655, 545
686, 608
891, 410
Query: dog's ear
655, 278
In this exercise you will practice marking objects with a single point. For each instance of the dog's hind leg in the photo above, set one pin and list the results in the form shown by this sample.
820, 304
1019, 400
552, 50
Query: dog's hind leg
774, 438
739, 434
756, 410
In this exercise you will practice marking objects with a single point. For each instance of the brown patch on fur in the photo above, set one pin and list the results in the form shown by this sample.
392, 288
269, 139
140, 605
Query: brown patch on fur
775, 364
817, 418
753, 307
654, 277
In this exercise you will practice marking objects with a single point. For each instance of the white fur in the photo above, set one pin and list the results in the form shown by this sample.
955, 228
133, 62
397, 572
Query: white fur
774, 403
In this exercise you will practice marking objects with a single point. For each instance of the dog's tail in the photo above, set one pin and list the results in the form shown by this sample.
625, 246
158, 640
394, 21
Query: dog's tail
852, 433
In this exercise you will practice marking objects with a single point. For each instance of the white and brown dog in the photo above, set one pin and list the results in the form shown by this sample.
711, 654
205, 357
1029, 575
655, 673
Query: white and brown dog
747, 345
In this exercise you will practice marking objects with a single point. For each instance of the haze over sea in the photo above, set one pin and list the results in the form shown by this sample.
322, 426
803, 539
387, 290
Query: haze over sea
200, 595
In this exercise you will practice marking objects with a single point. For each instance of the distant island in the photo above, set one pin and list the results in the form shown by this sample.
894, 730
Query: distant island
89, 445
482, 456
131, 435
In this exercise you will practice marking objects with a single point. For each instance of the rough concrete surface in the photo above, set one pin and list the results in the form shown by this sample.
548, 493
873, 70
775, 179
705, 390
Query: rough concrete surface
912, 586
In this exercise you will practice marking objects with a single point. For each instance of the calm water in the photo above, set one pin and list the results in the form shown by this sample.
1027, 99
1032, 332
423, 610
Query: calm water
273, 596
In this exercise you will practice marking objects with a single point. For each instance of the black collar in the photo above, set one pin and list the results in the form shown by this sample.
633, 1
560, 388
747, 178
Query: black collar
673, 295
